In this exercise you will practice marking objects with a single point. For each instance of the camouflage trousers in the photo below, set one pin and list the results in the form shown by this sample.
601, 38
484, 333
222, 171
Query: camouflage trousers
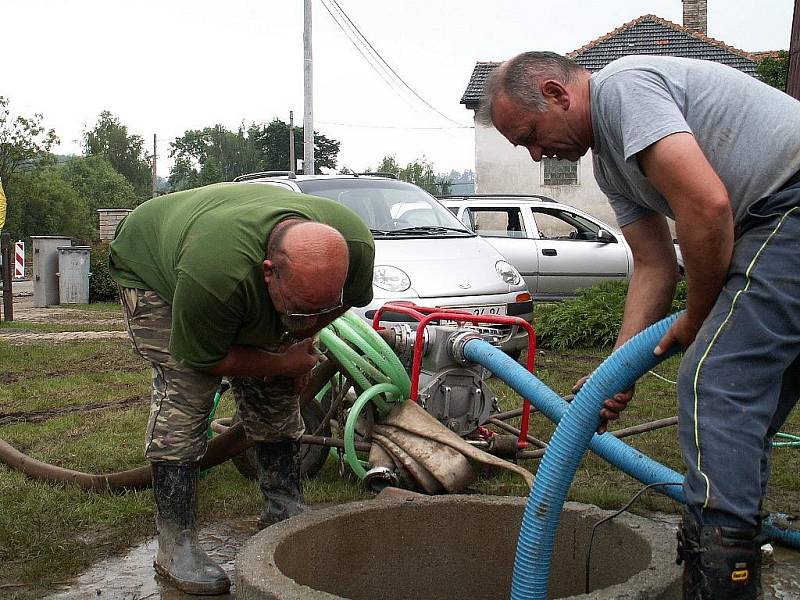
182, 398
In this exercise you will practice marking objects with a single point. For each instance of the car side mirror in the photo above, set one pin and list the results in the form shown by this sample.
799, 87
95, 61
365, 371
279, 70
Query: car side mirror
605, 237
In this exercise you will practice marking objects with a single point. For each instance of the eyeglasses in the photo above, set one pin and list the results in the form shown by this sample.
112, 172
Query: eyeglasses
316, 313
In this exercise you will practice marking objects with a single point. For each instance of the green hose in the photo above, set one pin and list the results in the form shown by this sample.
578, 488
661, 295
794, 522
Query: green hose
370, 363
794, 440
376, 370
358, 368
352, 418
217, 397
394, 368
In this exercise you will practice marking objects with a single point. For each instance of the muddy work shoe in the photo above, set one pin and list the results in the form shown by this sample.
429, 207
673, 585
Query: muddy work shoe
180, 558
278, 466
719, 563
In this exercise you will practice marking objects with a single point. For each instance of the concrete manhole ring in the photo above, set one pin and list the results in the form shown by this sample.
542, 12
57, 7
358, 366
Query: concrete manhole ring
445, 547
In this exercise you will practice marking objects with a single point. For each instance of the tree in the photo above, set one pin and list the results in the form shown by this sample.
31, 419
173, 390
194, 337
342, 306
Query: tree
272, 141
389, 165
774, 70
213, 154
109, 138
46, 204
209, 155
98, 184
23, 140
63, 199
468, 176
419, 172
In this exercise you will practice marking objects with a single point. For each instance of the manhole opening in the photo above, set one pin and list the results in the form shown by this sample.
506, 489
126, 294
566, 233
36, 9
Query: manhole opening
450, 550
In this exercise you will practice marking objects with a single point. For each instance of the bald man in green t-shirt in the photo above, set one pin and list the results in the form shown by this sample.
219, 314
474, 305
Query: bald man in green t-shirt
231, 280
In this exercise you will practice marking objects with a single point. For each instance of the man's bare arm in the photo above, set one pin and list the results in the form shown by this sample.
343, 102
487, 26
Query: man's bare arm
296, 361
655, 275
650, 293
678, 169
247, 361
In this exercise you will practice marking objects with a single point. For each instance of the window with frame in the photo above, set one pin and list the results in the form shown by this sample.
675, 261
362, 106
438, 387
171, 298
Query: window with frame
556, 224
559, 172
498, 222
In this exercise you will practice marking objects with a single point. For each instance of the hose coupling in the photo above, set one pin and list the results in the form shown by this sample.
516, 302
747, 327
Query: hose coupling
378, 478
403, 339
456, 343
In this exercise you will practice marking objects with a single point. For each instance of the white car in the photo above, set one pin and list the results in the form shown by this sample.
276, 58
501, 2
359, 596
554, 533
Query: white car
423, 254
557, 248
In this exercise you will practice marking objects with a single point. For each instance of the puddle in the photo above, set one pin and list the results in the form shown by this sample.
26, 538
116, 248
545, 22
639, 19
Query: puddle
131, 576
781, 580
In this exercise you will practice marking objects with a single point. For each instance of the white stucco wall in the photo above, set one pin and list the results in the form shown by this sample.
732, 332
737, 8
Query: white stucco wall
502, 169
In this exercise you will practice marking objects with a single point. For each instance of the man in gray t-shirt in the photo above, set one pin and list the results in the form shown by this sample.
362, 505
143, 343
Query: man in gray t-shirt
719, 152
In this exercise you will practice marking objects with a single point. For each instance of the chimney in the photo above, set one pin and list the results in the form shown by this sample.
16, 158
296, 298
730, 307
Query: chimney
695, 15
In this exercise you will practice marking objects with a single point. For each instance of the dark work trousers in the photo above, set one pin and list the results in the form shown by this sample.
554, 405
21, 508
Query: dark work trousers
740, 378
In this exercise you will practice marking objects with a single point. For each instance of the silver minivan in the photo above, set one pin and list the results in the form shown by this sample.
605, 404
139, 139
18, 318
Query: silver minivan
423, 253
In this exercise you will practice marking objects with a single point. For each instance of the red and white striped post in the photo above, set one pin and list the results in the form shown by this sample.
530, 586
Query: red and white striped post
19, 260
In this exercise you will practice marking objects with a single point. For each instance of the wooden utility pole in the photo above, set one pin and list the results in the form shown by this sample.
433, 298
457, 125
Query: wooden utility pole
292, 161
155, 178
793, 80
308, 93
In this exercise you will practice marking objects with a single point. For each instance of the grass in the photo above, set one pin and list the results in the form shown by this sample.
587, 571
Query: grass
50, 533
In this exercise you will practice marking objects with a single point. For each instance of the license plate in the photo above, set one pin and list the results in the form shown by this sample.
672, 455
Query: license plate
492, 309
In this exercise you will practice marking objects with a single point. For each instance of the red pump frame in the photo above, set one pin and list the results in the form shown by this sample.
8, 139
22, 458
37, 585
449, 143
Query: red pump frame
425, 315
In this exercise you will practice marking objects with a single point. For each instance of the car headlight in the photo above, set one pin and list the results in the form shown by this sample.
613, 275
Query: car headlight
390, 279
507, 273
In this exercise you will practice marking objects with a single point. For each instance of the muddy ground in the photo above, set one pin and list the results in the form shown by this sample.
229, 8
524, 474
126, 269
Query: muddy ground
130, 576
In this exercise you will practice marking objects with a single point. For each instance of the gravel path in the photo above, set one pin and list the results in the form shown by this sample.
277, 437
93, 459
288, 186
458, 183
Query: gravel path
99, 323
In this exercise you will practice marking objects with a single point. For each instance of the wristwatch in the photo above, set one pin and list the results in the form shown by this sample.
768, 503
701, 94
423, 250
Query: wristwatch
289, 338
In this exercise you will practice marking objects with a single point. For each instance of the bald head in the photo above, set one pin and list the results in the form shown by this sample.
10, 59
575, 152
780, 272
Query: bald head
311, 260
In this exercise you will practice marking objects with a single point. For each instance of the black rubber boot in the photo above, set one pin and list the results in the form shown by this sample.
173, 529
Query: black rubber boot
278, 466
179, 558
719, 563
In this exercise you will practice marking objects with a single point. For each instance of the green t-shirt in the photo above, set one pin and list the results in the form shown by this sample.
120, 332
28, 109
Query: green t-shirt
202, 251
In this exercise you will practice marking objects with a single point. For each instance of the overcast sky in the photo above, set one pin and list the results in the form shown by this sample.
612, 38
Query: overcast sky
167, 66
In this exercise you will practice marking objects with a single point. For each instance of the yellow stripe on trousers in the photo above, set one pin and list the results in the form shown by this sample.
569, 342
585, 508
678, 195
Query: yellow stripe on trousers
714, 339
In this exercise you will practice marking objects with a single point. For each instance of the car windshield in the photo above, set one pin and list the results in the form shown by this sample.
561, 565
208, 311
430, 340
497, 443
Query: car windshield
389, 208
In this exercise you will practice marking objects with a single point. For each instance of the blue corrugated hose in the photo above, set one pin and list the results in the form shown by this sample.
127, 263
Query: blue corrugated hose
575, 432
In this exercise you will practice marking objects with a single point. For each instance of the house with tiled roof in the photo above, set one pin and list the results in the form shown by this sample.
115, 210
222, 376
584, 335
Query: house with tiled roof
500, 168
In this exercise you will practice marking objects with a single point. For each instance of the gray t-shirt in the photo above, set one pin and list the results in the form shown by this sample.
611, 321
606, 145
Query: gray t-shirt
748, 131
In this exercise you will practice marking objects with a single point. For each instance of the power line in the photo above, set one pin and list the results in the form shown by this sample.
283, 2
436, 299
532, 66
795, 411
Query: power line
388, 66
393, 126
385, 64
362, 52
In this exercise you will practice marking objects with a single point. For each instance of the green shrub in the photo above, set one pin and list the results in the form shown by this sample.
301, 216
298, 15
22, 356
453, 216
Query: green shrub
591, 320
101, 287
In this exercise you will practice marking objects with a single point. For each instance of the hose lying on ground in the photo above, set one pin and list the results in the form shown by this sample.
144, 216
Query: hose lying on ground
220, 448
